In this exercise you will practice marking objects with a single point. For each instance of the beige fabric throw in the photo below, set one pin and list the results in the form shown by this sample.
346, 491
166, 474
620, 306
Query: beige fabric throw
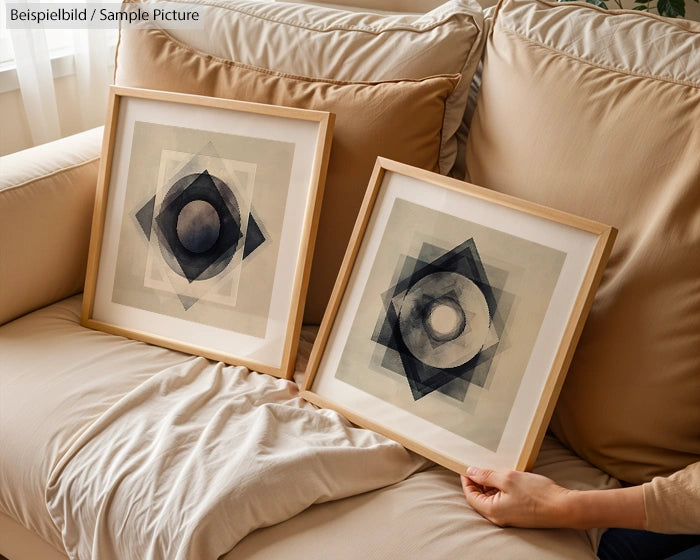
200, 455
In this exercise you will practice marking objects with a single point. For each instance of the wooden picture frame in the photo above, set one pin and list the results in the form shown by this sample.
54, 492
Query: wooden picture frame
455, 317
204, 225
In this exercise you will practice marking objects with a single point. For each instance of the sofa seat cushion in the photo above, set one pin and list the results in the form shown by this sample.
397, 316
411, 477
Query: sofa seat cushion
398, 86
426, 517
109, 433
596, 113
59, 382
56, 378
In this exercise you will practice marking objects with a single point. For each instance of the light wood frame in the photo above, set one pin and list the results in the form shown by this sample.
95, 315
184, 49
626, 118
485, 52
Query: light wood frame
391, 181
272, 353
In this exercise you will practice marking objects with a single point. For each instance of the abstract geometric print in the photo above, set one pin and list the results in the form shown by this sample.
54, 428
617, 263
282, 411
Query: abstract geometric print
199, 226
446, 316
442, 320
198, 231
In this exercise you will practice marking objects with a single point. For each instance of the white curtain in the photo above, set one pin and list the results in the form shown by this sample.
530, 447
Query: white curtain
90, 55
94, 60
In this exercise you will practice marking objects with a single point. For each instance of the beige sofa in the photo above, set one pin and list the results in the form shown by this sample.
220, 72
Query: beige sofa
107, 444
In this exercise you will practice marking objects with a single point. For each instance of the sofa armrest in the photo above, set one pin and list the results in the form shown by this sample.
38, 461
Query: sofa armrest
46, 204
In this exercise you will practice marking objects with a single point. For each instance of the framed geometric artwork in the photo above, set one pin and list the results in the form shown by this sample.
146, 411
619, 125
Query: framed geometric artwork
455, 317
204, 225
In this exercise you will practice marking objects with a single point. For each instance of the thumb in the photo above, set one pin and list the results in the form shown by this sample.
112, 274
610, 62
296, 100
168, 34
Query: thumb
484, 477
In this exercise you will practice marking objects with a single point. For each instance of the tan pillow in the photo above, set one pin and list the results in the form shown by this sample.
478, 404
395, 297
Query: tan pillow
351, 45
598, 113
370, 121
46, 200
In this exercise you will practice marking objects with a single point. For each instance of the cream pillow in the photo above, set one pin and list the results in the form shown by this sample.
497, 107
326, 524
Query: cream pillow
46, 199
598, 113
396, 84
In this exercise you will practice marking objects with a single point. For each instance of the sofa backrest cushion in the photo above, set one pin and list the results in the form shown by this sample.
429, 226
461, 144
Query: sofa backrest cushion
598, 113
46, 201
398, 85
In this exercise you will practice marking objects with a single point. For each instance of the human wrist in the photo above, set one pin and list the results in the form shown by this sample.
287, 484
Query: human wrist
567, 511
586, 509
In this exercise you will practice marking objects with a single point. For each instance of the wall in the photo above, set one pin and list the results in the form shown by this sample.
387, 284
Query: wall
15, 130
14, 134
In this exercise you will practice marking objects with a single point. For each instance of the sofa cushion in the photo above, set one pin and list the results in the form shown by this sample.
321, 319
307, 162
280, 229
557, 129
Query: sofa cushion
397, 84
347, 44
74, 414
46, 199
426, 512
428, 519
596, 113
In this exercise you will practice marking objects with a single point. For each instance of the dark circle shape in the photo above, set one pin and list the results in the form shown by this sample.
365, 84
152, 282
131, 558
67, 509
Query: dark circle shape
198, 226
208, 261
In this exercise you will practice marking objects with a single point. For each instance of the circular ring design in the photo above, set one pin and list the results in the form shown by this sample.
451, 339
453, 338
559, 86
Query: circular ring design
444, 319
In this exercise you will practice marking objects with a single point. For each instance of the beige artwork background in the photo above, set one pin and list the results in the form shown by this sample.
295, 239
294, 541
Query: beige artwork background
244, 305
532, 273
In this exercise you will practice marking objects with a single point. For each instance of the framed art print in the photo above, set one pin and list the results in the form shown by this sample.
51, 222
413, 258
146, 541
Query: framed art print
454, 317
204, 225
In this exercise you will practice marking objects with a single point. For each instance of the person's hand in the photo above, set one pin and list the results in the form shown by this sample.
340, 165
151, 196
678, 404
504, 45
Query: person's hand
517, 499
520, 499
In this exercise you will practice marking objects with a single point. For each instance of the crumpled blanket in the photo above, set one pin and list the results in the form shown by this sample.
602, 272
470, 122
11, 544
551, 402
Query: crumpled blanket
191, 461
